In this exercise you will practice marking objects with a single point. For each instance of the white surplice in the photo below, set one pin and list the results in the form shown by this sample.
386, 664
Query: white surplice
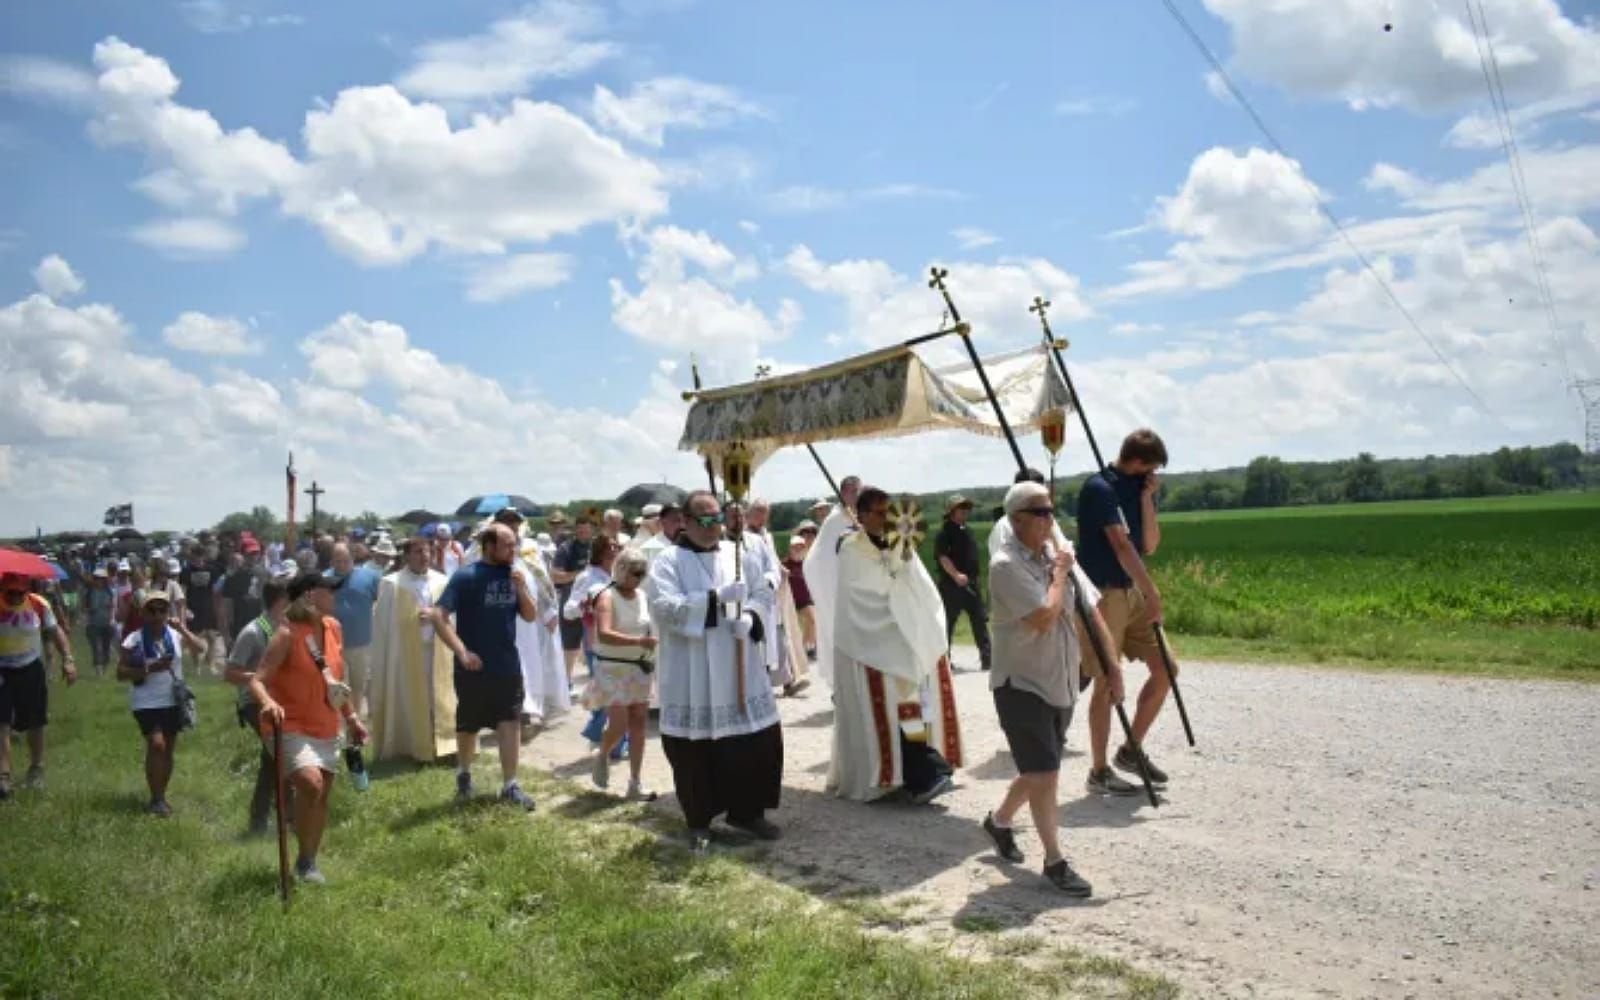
545, 692
821, 571
890, 672
697, 679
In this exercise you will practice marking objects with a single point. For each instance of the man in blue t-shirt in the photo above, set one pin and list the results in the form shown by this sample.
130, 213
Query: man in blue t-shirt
486, 598
1117, 527
352, 605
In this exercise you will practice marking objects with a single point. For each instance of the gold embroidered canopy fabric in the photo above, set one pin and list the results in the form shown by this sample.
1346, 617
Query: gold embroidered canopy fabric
886, 393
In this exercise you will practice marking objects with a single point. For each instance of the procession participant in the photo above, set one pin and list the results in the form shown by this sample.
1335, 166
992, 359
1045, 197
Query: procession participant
671, 523
447, 552
1111, 554
353, 602
786, 659
241, 589
895, 724
545, 691
822, 568
199, 579
151, 661
580, 607
121, 596
956, 554
805, 608
300, 687
572, 558
26, 621
248, 649
382, 555
413, 697
98, 604
720, 729
625, 647
648, 527
611, 527
164, 580
486, 599
1035, 675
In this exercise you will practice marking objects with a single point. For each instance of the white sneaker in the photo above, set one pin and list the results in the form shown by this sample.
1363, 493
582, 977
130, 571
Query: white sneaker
639, 793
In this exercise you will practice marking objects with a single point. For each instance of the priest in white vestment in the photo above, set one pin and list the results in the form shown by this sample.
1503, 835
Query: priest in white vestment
822, 570
719, 723
413, 692
895, 724
786, 656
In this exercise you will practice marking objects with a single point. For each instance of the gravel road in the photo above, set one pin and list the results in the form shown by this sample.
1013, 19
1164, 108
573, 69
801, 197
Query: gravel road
1336, 834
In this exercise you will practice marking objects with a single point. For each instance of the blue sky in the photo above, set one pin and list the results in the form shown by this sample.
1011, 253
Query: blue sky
446, 248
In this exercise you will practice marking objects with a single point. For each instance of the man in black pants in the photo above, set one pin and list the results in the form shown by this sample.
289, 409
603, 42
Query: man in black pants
957, 553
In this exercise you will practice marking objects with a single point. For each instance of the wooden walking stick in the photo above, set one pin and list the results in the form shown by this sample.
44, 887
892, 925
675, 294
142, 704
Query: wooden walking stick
285, 878
1082, 605
1041, 306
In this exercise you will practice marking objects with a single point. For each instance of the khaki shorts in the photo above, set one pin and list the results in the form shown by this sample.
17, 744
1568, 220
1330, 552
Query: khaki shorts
1132, 635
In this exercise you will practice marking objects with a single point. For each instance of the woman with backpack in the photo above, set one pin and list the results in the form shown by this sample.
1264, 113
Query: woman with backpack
152, 662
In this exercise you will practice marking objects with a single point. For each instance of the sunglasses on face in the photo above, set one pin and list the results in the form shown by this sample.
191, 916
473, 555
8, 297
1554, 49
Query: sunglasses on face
708, 520
1038, 511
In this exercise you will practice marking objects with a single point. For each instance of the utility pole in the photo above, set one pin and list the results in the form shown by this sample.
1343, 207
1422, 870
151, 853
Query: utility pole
314, 493
1588, 391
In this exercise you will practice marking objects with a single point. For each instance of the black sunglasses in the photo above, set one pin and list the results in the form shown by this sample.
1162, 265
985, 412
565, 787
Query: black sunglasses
1038, 511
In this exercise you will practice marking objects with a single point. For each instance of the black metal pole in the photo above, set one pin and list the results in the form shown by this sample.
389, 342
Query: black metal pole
1039, 306
711, 476
825, 473
1081, 603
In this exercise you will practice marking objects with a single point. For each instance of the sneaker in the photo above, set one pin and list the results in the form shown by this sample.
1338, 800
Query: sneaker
463, 786
1127, 759
639, 793
1106, 782
1068, 881
944, 786
1005, 841
513, 794
811, 656
800, 685
35, 778
306, 871
5, 786
760, 828
159, 807
700, 842
601, 772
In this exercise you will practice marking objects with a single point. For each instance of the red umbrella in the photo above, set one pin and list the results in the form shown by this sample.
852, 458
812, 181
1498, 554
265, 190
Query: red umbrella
25, 564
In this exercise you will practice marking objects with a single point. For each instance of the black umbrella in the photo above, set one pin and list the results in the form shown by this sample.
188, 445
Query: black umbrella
127, 534
489, 503
638, 496
418, 516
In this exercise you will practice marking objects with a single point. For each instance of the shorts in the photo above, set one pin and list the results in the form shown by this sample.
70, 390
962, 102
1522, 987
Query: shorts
24, 697
301, 751
168, 721
1132, 635
484, 700
571, 635
1036, 731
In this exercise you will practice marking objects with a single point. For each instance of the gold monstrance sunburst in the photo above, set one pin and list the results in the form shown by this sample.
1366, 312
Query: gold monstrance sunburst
906, 528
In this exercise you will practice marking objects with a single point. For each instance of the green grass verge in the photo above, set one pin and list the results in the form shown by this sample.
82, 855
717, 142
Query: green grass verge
586, 898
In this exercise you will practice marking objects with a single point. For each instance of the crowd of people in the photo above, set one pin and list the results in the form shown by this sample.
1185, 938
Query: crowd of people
695, 613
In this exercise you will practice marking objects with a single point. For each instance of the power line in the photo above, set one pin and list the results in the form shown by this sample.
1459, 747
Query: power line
1360, 255
1490, 64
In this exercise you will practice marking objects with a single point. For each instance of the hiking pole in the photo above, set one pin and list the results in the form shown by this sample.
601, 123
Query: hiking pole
937, 282
1040, 306
285, 880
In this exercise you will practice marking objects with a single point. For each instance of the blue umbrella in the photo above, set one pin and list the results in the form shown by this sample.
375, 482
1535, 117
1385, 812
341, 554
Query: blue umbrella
61, 574
490, 503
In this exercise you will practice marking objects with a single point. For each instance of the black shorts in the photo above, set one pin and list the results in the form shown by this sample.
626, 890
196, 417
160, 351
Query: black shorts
1036, 731
571, 634
484, 700
24, 697
168, 721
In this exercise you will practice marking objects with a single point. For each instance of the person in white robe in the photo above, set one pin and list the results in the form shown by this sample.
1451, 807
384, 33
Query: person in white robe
822, 570
670, 522
895, 724
412, 688
719, 723
786, 657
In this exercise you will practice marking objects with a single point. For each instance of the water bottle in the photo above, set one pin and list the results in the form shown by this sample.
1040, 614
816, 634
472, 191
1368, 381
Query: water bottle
357, 766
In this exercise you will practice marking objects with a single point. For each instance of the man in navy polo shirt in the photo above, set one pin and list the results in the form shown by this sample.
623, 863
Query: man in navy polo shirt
1117, 527
486, 599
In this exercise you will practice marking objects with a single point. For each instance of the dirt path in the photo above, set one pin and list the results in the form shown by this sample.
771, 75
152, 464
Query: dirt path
1336, 834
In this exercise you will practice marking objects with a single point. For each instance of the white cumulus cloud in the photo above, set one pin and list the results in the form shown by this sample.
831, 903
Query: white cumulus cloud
56, 278
505, 278
549, 40
650, 108
203, 334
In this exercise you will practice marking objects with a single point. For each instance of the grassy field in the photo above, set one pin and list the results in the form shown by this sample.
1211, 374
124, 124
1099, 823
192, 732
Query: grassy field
587, 898
1505, 586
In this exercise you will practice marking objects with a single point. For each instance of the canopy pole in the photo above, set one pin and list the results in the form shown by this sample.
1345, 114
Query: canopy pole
1041, 307
711, 476
825, 473
936, 281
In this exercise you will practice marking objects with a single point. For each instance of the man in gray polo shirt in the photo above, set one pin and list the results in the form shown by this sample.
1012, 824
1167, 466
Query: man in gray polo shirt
1033, 594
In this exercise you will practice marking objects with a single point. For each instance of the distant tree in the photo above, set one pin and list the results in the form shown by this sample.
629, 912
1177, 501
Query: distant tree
1266, 483
1363, 480
258, 520
1432, 486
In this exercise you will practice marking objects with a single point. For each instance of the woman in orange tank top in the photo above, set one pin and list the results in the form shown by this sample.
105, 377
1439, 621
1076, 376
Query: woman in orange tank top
300, 686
